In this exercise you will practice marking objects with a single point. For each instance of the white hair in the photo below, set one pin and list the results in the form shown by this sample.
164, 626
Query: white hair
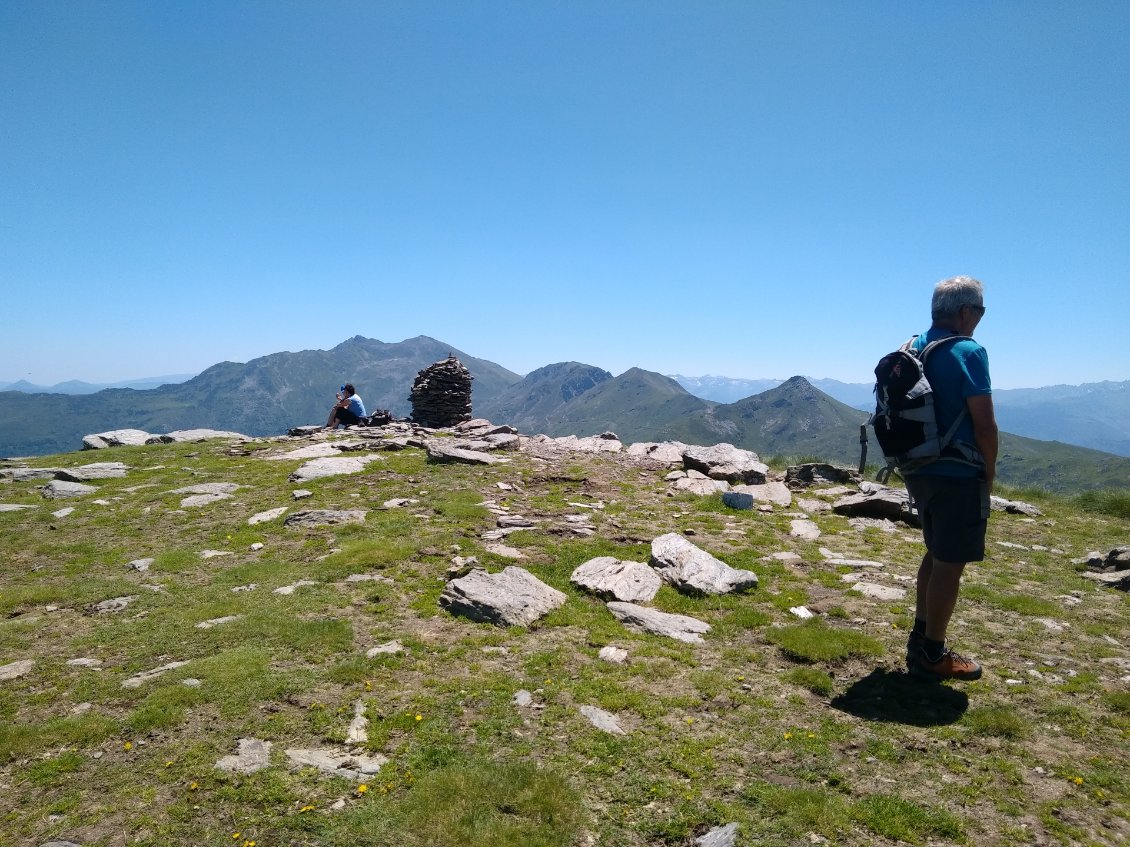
953, 293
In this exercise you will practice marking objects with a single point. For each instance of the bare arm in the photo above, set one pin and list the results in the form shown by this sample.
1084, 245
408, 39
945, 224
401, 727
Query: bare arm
985, 432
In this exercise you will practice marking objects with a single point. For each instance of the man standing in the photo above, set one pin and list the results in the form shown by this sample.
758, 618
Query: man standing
952, 493
348, 410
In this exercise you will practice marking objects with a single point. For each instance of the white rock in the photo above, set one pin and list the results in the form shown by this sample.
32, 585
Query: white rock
803, 529
387, 649
269, 515
253, 755
612, 578
15, 670
602, 720
879, 592
645, 619
615, 655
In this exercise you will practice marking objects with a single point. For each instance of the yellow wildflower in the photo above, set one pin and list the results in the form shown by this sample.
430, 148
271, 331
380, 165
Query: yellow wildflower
192, 786
419, 717
788, 735
362, 788
128, 745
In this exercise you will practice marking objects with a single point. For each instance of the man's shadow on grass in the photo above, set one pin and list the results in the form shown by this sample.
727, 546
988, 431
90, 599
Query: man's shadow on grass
897, 697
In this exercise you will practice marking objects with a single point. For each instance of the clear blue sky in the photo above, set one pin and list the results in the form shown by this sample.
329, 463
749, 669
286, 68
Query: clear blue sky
748, 189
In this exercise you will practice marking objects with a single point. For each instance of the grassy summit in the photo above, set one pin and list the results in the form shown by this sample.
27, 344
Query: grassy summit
801, 732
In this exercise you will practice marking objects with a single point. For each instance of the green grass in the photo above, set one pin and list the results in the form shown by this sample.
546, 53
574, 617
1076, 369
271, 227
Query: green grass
1107, 501
796, 731
815, 641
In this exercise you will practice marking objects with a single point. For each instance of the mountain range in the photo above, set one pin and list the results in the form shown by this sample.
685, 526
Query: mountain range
77, 386
1095, 414
272, 393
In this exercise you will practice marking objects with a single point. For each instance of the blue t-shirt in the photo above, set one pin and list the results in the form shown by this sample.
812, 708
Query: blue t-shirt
356, 405
956, 371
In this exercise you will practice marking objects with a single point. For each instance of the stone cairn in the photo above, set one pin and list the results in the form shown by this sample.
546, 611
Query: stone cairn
441, 394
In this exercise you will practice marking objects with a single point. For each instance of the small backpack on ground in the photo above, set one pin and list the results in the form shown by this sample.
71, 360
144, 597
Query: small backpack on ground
904, 420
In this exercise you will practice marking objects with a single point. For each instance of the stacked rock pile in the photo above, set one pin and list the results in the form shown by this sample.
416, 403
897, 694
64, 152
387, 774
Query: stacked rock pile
441, 394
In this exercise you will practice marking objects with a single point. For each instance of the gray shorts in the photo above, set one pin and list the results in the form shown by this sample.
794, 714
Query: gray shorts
954, 513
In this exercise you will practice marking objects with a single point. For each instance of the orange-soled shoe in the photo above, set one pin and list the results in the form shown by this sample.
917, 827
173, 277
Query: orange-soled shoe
950, 666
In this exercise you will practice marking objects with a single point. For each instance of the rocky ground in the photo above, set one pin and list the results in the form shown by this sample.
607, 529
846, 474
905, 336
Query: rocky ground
295, 640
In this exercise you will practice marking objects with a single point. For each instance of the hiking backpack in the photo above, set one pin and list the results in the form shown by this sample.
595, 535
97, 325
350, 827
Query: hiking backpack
904, 420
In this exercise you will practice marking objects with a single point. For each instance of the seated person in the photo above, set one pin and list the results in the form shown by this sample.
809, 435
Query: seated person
349, 408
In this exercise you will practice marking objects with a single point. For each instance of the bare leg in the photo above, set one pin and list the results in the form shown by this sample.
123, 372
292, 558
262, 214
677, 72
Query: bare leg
333, 417
938, 585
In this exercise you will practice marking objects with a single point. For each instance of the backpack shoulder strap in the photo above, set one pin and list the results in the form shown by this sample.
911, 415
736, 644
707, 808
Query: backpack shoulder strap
933, 345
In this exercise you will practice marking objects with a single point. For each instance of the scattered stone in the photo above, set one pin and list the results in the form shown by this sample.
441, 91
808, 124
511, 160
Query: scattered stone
209, 488
253, 755
737, 500
15, 670
26, 474
287, 590
1015, 507
522, 698
702, 486
358, 732
115, 438
58, 488
211, 554
338, 763
269, 515
94, 470
611, 578
301, 494
776, 493
644, 619
61, 513
1114, 579
879, 592
668, 452
720, 836
325, 517
320, 468
802, 612
184, 436
241, 588
694, 571
514, 597
398, 503
787, 556
726, 462
256, 547
140, 565
15, 507
191, 682
389, 648
442, 453
504, 551
602, 720
217, 621
116, 604
93, 664
615, 655
877, 502
137, 680
819, 473
804, 529
859, 564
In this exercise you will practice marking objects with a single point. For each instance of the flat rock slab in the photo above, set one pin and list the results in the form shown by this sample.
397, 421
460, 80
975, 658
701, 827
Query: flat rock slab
725, 461
514, 597
14, 507
1014, 507
194, 501
115, 438
389, 648
1113, 579
217, 621
720, 836
773, 492
319, 468
602, 720
61, 488
615, 655
254, 755
182, 436
879, 592
613, 579
737, 500
269, 515
668, 452
209, 488
25, 474
504, 550
321, 450
15, 670
646, 619
94, 470
604, 443
803, 529
137, 680
326, 517
114, 604
442, 454
694, 571
877, 502
338, 762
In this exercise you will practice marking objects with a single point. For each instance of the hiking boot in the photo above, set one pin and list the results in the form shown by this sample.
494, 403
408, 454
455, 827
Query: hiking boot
950, 666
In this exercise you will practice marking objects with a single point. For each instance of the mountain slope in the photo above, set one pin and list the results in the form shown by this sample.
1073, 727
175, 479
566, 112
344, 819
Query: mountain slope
535, 403
262, 397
